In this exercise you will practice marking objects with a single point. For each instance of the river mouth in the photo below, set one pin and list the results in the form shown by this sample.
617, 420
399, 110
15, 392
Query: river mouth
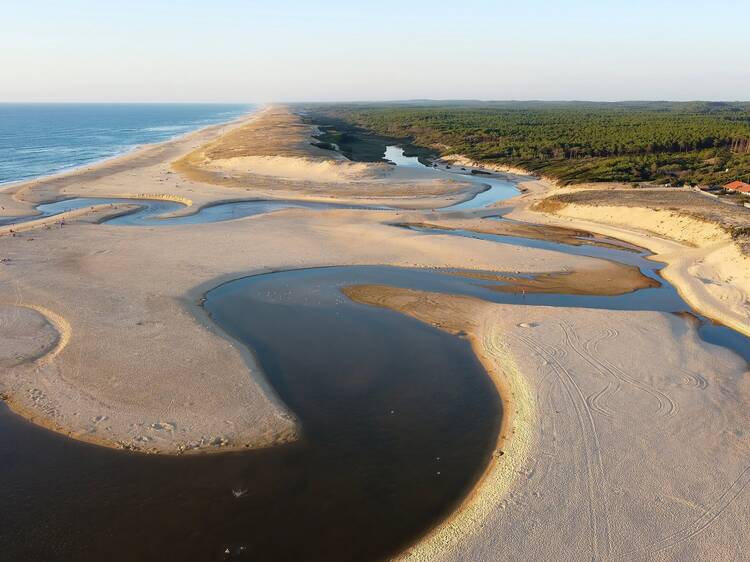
158, 212
399, 421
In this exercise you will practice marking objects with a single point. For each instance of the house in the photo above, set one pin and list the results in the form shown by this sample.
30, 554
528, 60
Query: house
740, 186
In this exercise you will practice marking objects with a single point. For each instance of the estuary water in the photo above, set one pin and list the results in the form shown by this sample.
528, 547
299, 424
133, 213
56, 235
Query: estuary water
41, 139
399, 421
497, 187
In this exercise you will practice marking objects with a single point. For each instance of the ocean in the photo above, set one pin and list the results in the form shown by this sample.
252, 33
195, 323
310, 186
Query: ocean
41, 139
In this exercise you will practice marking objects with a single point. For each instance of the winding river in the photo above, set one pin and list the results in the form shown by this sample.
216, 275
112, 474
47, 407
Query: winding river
157, 212
497, 187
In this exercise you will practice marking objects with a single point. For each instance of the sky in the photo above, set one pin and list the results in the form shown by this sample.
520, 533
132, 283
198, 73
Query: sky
329, 50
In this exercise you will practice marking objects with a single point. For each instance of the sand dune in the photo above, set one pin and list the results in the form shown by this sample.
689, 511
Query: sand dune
300, 168
276, 149
694, 235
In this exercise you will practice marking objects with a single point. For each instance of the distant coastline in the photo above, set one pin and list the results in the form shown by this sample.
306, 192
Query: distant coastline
68, 137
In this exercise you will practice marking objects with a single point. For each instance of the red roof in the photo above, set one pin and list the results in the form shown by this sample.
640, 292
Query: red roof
738, 186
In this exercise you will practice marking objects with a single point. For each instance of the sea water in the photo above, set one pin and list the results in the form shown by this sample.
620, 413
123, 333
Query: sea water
42, 139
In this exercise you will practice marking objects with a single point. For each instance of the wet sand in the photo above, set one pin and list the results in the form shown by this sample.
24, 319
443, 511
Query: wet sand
612, 279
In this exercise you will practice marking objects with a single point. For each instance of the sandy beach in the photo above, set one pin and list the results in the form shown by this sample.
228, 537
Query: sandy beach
604, 453
624, 434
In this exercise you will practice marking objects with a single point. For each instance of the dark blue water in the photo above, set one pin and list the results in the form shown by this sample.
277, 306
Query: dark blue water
42, 139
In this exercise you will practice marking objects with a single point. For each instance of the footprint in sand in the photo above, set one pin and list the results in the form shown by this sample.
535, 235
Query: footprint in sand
25, 335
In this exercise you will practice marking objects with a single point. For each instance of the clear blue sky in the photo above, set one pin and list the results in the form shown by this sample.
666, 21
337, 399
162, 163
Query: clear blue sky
287, 50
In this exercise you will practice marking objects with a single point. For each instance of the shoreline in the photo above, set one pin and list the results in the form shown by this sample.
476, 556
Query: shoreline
93, 180
125, 152
527, 366
151, 250
513, 443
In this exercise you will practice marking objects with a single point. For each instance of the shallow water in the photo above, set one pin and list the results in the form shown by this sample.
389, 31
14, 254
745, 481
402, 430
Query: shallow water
497, 188
151, 212
664, 298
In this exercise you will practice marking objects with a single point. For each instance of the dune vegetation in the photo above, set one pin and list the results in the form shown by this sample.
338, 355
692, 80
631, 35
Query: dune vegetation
688, 143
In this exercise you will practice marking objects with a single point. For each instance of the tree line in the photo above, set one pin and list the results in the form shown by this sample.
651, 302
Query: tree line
697, 143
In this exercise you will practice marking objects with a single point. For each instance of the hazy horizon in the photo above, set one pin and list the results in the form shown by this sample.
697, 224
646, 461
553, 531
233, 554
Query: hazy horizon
287, 51
369, 101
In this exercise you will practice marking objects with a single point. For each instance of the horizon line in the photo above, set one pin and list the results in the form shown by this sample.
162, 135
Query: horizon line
396, 100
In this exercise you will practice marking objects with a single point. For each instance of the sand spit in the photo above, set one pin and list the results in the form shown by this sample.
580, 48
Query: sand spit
93, 213
607, 280
277, 147
605, 452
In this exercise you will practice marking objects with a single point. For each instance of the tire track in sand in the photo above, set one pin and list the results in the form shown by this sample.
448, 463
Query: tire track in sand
697, 526
589, 352
599, 525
